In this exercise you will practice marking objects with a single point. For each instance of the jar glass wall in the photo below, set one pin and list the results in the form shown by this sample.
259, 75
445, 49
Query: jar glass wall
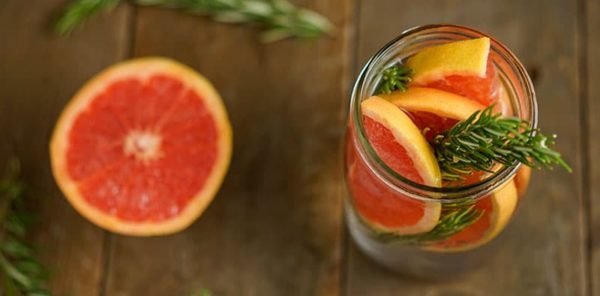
376, 193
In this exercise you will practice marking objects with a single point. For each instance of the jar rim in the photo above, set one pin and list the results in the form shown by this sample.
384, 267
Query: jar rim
416, 190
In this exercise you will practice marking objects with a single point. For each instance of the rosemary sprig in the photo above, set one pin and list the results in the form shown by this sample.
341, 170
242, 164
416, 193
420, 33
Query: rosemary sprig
281, 18
394, 78
80, 10
486, 138
453, 219
21, 273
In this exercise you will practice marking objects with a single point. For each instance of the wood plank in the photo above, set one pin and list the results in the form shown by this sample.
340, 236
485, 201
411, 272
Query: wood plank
38, 73
542, 251
593, 93
275, 226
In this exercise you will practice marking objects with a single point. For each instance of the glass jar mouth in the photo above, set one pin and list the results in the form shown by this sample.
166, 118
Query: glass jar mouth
416, 190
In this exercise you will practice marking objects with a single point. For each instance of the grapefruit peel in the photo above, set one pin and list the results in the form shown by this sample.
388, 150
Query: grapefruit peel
438, 102
464, 57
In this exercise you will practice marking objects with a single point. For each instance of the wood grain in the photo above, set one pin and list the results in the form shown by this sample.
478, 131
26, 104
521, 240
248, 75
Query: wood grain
275, 226
592, 75
38, 73
543, 250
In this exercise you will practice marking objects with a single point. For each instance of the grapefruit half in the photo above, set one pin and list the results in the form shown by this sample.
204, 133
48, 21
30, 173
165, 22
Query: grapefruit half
400, 145
143, 147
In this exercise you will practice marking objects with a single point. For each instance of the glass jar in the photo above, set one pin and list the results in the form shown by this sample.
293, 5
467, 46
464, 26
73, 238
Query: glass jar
378, 196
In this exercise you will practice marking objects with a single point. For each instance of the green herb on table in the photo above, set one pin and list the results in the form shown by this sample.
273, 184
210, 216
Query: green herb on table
202, 292
281, 18
394, 78
80, 10
486, 138
20, 271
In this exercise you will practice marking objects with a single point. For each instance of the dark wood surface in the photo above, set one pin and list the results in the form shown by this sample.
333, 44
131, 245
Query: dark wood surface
276, 227
38, 73
590, 59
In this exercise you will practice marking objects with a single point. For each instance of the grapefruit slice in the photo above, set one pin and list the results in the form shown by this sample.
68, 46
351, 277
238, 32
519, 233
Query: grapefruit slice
143, 147
460, 67
497, 210
383, 117
465, 58
432, 110
484, 90
398, 143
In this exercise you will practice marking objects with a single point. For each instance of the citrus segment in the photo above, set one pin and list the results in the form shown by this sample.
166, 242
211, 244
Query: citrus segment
143, 147
400, 145
385, 209
431, 124
433, 111
460, 67
401, 138
465, 58
483, 90
496, 212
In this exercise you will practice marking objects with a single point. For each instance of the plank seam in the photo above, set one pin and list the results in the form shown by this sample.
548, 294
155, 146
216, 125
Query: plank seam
132, 27
106, 256
107, 244
585, 157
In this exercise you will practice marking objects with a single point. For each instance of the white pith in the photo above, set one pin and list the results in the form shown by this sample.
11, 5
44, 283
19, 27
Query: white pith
143, 145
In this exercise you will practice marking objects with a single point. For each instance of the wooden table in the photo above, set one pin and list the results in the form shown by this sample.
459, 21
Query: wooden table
276, 227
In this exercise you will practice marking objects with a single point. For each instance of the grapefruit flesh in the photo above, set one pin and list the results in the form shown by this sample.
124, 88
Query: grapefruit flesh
431, 124
385, 209
481, 89
390, 151
475, 231
496, 209
433, 111
399, 144
460, 67
142, 149
465, 57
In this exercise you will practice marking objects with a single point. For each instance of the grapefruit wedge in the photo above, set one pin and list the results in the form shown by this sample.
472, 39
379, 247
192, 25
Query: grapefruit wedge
398, 143
460, 67
433, 110
143, 147
496, 212
465, 58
